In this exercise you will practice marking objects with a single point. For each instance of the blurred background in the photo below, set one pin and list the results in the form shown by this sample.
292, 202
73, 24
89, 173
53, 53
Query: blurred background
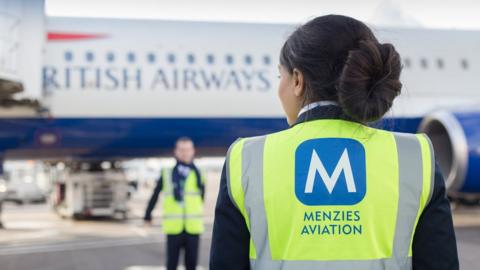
93, 95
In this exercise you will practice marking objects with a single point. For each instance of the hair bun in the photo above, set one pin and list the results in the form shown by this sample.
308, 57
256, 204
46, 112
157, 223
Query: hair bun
369, 81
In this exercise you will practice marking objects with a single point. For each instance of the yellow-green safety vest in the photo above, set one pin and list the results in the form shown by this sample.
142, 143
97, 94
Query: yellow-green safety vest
331, 194
186, 215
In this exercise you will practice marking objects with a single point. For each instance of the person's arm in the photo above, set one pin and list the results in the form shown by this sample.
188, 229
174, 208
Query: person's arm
202, 186
153, 200
231, 238
434, 244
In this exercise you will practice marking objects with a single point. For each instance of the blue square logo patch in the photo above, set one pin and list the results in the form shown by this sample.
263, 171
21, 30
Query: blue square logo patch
330, 171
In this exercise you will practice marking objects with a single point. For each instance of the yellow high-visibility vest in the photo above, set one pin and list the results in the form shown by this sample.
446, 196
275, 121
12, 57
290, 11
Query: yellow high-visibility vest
331, 194
186, 215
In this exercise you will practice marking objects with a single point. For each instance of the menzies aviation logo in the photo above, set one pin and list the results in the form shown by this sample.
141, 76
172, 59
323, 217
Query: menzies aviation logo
330, 171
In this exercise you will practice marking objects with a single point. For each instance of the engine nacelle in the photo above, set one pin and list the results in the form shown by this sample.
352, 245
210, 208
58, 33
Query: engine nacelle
456, 140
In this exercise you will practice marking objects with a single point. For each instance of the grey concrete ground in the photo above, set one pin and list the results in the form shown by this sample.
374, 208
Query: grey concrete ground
37, 239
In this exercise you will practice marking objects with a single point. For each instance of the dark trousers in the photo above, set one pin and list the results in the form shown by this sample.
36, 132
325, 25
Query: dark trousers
186, 241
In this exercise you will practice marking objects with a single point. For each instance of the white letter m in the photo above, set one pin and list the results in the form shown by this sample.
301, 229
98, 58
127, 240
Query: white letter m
343, 164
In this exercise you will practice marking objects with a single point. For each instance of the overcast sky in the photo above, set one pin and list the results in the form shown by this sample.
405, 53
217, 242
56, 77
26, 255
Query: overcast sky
458, 14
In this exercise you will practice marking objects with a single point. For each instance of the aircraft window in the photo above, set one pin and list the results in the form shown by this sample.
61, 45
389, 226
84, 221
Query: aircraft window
440, 63
191, 58
248, 59
68, 56
464, 63
131, 57
407, 62
110, 57
229, 59
151, 58
210, 59
266, 60
171, 58
424, 63
89, 56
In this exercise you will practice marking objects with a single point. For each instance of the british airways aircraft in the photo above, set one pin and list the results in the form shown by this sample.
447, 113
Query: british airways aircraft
117, 89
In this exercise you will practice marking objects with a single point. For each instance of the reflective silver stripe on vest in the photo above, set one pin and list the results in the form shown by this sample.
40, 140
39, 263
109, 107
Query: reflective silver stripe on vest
167, 182
410, 190
410, 177
252, 184
432, 164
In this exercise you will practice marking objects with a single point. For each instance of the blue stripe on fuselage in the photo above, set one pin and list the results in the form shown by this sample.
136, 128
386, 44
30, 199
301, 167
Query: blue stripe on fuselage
112, 138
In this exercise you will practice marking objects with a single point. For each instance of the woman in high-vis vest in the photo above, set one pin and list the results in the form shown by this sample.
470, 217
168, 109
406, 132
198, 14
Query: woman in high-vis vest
331, 192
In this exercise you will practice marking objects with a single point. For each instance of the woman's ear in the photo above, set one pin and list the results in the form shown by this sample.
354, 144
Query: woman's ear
298, 83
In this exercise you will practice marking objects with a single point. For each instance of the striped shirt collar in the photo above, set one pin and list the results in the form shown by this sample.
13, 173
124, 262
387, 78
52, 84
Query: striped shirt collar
313, 105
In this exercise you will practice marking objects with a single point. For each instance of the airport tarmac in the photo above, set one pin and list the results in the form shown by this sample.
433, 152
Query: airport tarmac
35, 238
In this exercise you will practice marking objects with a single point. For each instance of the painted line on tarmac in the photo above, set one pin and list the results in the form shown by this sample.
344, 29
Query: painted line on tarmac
83, 245
71, 246
139, 231
148, 267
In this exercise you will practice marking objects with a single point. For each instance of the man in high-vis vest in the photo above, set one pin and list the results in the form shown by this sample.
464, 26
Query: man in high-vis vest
183, 192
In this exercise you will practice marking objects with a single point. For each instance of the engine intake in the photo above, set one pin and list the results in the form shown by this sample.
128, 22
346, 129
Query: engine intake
456, 141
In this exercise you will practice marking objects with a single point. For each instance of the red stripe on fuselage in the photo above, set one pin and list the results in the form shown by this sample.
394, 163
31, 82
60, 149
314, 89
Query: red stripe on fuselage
67, 36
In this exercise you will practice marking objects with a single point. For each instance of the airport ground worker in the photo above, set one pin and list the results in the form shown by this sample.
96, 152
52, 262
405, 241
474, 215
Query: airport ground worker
330, 192
183, 193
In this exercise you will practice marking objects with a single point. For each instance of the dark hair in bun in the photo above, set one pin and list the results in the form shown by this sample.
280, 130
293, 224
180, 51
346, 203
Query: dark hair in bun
341, 60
